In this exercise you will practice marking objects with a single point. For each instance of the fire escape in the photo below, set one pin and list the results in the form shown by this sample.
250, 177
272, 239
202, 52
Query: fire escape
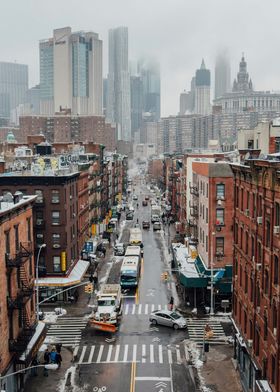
194, 214
18, 302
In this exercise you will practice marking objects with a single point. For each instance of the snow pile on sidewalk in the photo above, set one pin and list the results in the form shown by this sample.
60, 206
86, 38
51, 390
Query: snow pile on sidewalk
51, 317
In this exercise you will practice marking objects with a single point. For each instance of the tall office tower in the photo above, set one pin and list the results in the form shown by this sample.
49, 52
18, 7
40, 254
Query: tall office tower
33, 99
202, 90
222, 75
13, 86
149, 71
118, 103
136, 95
105, 95
71, 73
242, 83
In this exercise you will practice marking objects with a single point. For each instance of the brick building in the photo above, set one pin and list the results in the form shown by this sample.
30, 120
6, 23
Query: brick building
256, 295
20, 334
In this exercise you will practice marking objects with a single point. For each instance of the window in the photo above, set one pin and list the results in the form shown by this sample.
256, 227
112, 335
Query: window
273, 369
266, 282
40, 198
220, 215
242, 199
28, 222
277, 214
56, 264
220, 245
7, 242
248, 200
220, 191
56, 240
206, 215
39, 239
252, 246
207, 243
236, 196
16, 238
265, 327
276, 270
207, 190
39, 218
55, 217
274, 317
246, 242
251, 289
55, 196
267, 238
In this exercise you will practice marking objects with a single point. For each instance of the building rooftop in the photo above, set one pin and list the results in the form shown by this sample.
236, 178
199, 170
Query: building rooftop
9, 202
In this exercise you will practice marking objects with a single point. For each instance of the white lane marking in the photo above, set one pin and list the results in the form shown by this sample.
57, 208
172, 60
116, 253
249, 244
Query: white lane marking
166, 307
179, 360
75, 352
126, 309
91, 354
171, 380
160, 353
133, 309
140, 309
146, 308
109, 353
153, 379
82, 354
144, 353
117, 353
134, 353
152, 359
153, 307
100, 353
159, 307
125, 353
169, 353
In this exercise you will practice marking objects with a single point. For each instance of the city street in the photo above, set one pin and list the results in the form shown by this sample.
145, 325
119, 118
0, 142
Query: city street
140, 357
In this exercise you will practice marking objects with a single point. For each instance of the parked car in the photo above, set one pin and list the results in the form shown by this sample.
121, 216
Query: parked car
146, 224
156, 226
135, 197
147, 197
168, 318
144, 203
129, 215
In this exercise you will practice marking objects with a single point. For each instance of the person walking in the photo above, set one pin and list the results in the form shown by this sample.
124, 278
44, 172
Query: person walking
53, 355
58, 359
58, 347
171, 303
46, 361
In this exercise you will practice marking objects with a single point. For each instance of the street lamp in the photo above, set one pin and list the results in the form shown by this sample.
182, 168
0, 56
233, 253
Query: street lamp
37, 280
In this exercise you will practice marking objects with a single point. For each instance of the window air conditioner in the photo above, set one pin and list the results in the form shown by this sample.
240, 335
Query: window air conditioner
259, 220
276, 229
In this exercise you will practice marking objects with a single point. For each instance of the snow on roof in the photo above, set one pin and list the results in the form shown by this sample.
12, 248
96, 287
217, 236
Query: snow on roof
39, 329
74, 277
186, 264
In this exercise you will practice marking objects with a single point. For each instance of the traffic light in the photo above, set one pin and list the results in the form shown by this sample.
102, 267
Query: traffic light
89, 288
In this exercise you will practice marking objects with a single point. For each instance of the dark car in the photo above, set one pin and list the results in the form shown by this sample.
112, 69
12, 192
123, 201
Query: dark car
144, 203
146, 224
129, 216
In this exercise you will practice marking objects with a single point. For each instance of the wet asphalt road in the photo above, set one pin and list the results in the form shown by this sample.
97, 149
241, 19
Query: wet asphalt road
139, 357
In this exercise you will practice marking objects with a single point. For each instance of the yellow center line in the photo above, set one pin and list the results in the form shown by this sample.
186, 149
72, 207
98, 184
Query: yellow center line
133, 375
137, 296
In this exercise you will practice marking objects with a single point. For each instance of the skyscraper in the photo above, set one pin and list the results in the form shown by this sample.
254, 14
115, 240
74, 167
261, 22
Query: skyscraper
13, 86
222, 75
242, 83
71, 72
118, 104
136, 95
149, 71
202, 90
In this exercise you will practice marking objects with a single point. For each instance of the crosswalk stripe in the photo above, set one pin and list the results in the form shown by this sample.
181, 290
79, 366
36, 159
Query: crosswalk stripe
67, 331
83, 354
152, 359
125, 353
159, 307
169, 356
146, 308
126, 309
117, 353
196, 330
91, 354
100, 353
178, 355
134, 353
133, 309
109, 353
140, 309
160, 354
153, 307
143, 353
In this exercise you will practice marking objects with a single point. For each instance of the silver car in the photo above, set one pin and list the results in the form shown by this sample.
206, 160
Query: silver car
168, 318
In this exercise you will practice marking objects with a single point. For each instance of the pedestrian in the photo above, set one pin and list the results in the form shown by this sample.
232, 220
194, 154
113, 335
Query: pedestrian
58, 347
171, 303
46, 361
58, 359
34, 363
53, 355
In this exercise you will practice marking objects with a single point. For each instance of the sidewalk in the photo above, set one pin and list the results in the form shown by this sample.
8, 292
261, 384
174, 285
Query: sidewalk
51, 383
218, 374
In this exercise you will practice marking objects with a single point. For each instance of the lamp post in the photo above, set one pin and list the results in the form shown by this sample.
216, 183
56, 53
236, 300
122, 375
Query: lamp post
37, 278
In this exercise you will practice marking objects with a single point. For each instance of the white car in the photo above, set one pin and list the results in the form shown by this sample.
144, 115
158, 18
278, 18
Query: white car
135, 197
168, 318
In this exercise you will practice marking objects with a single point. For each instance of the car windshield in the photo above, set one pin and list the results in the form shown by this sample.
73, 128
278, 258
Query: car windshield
175, 316
106, 302
128, 275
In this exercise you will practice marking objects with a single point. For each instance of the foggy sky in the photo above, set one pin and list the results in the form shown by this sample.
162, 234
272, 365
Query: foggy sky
176, 32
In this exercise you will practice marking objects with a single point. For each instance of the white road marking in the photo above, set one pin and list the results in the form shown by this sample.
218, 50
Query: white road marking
153, 379
134, 353
144, 353
91, 354
153, 307
109, 353
140, 309
169, 353
179, 360
125, 353
133, 309
160, 353
159, 307
152, 359
146, 308
117, 353
126, 309
83, 354
100, 353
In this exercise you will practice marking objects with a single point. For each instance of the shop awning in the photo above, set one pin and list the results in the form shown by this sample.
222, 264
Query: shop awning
263, 385
75, 276
34, 344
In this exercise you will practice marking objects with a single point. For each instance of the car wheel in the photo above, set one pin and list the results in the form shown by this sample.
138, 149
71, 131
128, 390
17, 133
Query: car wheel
175, 326
154, 322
